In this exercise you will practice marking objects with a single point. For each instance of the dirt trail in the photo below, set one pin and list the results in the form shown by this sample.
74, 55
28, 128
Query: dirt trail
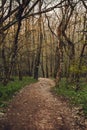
36, 108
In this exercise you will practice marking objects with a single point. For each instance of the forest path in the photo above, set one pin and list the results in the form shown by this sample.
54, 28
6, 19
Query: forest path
35, 107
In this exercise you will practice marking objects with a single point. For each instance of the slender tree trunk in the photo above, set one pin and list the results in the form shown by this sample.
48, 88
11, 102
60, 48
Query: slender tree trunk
60, 54
47, 71
5, 76
56, 62
60, 57
8, 69
14, 49
42, 66
37, 60
20, 69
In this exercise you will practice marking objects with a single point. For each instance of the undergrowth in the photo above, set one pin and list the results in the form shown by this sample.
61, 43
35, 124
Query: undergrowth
7, 92
78, 98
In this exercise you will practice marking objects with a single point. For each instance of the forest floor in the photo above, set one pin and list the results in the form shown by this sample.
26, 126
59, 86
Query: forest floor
36, 107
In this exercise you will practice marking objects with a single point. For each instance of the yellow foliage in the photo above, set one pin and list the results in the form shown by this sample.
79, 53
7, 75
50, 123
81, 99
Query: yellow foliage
75, 69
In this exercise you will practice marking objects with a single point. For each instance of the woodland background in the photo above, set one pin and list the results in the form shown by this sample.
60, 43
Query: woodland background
43, 38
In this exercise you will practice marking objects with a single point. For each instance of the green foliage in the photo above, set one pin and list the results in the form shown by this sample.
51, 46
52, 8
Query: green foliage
75, 69
84, 69
6, 92
76, 98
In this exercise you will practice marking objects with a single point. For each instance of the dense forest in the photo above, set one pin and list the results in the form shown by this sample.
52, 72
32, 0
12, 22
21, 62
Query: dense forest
42, 38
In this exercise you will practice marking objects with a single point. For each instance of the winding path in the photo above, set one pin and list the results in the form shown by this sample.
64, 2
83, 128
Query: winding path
36, 108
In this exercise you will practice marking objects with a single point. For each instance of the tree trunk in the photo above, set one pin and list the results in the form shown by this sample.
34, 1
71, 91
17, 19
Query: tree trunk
37, 60
42, 66
60, 57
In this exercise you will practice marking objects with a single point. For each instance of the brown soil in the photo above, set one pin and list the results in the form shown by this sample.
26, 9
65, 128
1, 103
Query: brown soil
35, 107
